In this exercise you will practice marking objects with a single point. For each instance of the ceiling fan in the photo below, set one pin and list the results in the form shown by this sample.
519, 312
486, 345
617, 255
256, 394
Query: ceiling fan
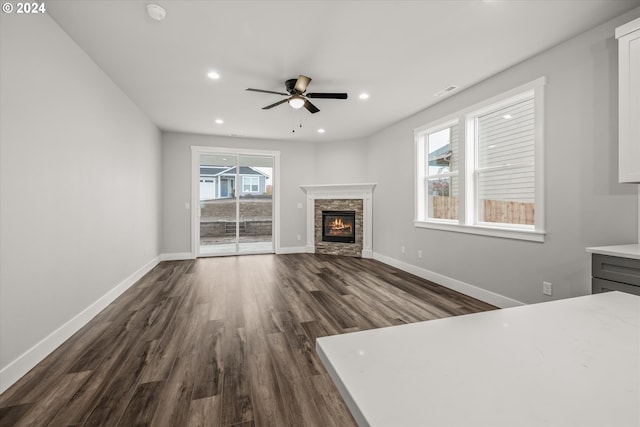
297, 98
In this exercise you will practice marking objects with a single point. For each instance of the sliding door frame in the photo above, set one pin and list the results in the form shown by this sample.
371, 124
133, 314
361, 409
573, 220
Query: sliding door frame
196, 152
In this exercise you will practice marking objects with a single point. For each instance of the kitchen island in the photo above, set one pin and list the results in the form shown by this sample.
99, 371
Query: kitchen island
572, 362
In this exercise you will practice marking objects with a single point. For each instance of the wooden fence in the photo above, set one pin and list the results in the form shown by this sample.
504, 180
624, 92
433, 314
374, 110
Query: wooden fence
507, 212
443, 207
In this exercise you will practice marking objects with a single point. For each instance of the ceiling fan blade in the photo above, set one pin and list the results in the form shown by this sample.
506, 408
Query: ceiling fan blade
268, 91
309, 106
275, 104
327, 95
302, 83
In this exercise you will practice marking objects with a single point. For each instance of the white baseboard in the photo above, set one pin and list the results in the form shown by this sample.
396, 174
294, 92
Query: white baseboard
30, 358
291, 250
457, 285
177, 256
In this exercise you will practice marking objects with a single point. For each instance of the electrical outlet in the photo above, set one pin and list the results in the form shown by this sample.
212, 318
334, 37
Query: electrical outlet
419, 254
299, 237
403, 249
547, 288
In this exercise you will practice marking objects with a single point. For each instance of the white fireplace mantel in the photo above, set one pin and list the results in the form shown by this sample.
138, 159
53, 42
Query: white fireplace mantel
342, 191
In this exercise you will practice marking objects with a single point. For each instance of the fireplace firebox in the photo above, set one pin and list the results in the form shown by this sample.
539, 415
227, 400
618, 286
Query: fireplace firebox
339, 226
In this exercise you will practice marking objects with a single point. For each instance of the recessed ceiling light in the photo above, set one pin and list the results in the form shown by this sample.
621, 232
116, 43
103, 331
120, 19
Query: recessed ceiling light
213, 75
321, 130
219, 121
364, 95
155, 12
507, 117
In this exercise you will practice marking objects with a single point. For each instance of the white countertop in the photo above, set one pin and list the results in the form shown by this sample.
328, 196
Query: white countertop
624, 251
572, 362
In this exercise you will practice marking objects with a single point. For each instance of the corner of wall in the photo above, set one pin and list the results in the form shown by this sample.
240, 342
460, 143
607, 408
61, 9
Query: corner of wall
30, 358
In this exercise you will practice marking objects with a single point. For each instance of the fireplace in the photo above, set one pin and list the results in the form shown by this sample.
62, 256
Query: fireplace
339, 226
356, 198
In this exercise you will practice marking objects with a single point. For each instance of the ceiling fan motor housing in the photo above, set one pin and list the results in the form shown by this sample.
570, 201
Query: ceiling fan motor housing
290, 85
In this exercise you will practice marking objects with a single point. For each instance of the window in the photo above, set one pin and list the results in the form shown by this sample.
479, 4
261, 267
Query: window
250, 184
480, 170
442, 160
505, 163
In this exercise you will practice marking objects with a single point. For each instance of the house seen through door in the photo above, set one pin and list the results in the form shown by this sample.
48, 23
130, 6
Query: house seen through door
235, 214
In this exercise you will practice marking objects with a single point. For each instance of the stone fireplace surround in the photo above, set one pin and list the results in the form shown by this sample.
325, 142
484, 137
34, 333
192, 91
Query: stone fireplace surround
358, 197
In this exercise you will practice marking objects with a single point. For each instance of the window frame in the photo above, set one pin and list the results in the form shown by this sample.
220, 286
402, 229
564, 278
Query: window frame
250, 180
422, 139
467, 146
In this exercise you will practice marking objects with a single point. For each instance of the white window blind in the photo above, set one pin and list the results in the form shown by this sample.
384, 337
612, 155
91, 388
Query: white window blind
505, 171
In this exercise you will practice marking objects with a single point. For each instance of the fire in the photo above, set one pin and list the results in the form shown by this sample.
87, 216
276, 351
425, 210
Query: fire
338, 226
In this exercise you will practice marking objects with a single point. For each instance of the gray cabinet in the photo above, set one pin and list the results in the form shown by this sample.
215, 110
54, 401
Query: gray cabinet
612, 273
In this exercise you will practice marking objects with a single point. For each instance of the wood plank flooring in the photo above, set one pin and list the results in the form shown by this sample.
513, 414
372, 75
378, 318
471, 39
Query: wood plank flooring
222, 342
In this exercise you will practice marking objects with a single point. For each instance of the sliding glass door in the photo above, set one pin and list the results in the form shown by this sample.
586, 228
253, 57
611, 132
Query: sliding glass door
218, 212
255, 204
235, 196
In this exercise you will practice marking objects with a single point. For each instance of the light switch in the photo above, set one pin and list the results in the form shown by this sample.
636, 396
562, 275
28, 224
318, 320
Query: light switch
299, 205
187, 206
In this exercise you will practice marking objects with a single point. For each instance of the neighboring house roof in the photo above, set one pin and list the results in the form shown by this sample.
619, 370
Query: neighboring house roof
440, 157
212, 170
226, 171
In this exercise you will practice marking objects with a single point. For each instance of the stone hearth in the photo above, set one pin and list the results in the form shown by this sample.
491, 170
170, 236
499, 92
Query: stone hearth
337, 248
340, 197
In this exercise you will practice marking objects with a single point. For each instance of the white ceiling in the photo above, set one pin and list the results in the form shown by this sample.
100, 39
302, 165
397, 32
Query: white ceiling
400, 52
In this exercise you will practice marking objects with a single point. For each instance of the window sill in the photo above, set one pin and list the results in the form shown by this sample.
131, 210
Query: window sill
505, 233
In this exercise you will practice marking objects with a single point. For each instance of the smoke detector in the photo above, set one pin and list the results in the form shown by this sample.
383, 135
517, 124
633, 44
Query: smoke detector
156, 12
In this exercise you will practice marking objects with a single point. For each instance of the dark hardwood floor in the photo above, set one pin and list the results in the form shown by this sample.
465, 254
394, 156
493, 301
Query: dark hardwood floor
222, 342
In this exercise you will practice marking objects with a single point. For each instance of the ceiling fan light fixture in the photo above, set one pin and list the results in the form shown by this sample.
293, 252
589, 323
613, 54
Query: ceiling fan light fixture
296, 101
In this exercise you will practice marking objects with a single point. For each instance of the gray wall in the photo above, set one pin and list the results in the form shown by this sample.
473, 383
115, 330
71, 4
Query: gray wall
341, 162
585, 206
80, 174
297, 168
